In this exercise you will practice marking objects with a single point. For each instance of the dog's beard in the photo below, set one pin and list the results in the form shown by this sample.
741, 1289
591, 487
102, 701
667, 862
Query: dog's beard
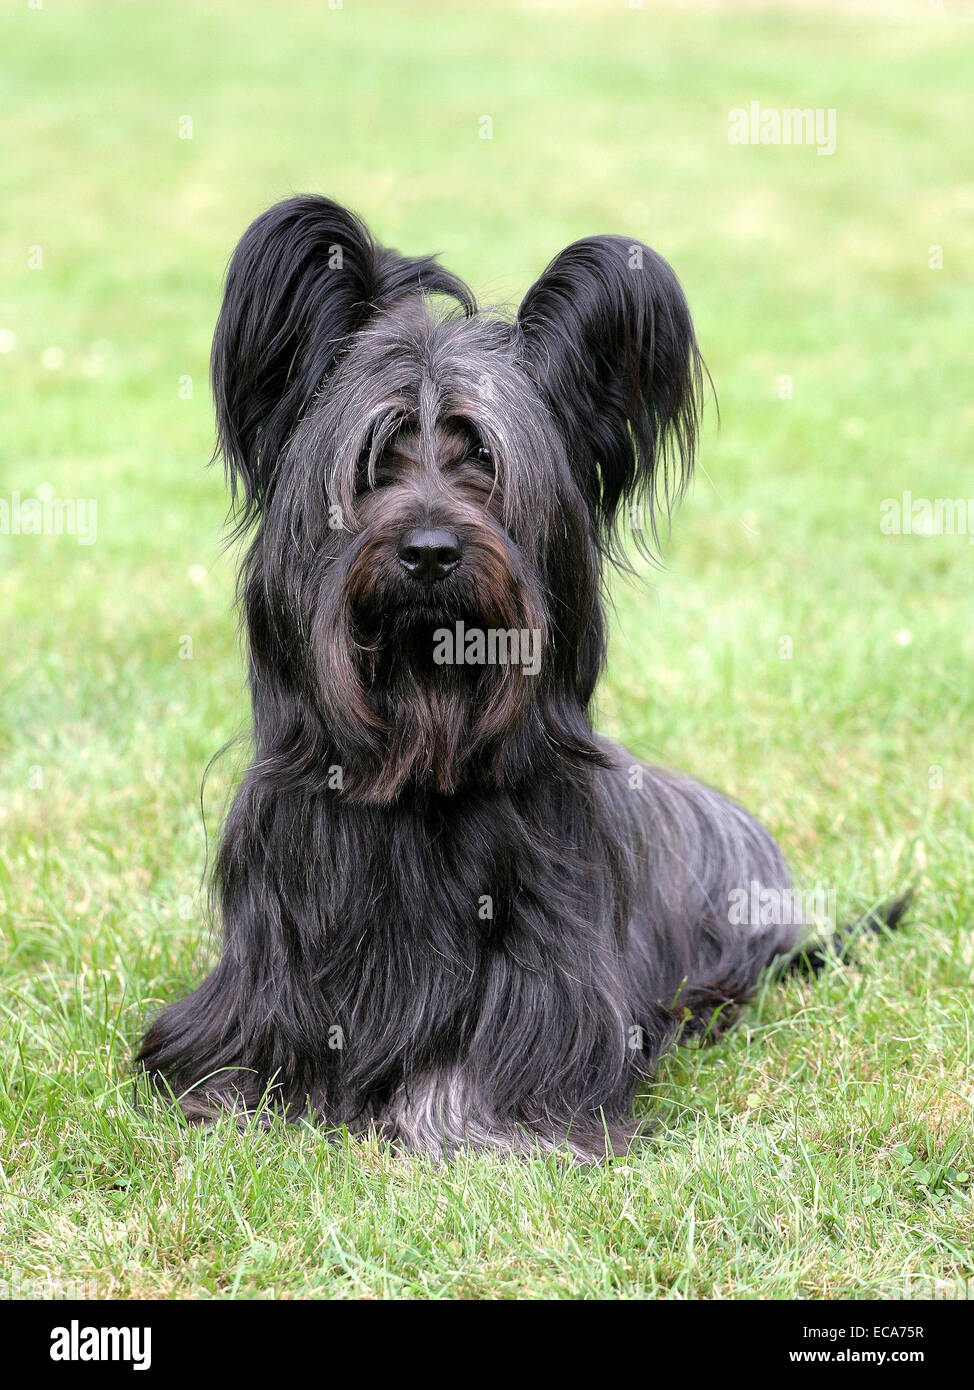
398, 715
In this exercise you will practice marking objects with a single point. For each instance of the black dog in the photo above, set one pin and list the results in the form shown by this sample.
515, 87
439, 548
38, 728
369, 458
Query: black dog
451, 911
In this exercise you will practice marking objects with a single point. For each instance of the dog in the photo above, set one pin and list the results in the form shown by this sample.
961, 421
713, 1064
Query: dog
452, 913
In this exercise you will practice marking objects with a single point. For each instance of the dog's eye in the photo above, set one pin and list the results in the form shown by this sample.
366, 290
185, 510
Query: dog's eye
483, 455
381, 475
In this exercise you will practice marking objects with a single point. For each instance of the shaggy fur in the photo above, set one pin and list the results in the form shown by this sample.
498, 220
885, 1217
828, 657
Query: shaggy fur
451, 911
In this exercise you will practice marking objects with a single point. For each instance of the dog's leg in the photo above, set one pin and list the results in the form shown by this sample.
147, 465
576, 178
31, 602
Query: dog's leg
711, 904
443, 1112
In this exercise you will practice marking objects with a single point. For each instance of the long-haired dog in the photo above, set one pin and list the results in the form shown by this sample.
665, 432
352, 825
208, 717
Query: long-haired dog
451, 911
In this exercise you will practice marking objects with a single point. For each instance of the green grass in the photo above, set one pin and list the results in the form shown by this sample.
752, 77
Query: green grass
823, 1148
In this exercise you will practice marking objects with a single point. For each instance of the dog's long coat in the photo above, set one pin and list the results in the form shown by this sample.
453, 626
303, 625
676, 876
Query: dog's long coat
451, 910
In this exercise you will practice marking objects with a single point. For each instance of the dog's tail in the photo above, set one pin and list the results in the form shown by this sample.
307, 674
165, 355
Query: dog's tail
811, 958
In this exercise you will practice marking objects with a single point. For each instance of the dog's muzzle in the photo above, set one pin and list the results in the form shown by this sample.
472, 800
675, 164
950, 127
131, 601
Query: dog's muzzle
429, 555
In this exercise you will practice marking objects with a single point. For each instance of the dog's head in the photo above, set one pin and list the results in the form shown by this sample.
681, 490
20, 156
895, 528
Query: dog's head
435, 491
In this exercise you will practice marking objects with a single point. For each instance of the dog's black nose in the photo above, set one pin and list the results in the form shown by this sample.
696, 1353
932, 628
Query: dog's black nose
429, 555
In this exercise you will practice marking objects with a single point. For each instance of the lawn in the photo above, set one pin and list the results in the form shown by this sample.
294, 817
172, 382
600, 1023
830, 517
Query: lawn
788, 651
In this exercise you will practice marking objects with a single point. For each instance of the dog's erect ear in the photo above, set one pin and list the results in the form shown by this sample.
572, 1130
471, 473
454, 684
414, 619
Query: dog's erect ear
606, 333
305, 276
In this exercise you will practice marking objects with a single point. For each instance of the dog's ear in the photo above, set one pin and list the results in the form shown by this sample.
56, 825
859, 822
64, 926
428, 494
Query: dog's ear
606, 333
304, 278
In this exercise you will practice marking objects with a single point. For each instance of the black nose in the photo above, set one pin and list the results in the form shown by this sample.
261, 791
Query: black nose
429, 555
